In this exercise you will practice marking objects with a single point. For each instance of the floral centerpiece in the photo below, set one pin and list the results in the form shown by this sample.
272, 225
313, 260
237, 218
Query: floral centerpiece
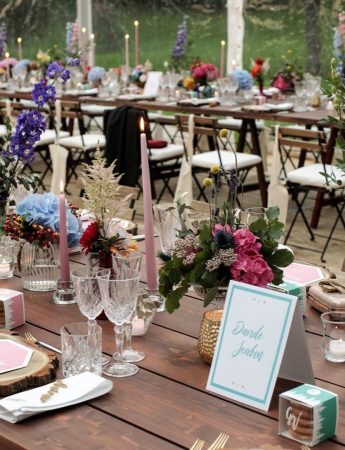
202, 74
258, 69
36, 224
37, 221
223, 249
138, 75
287, 74
19, 147
102, 199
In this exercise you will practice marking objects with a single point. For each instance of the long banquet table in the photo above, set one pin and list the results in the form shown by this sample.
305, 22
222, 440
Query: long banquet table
164, 406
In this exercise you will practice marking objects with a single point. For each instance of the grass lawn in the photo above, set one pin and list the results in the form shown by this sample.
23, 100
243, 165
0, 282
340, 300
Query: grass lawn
267, 34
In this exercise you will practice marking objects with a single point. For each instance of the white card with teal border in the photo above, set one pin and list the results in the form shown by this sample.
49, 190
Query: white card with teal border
252, 340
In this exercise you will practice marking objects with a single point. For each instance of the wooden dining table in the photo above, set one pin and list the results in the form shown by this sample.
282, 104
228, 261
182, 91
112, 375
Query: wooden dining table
165, 405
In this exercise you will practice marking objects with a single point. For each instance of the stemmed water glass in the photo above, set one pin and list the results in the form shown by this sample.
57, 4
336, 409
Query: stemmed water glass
88, 295
131, 261
119, 295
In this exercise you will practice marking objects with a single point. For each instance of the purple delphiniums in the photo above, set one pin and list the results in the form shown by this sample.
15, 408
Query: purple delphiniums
43, 93
54, 70
3, 38
28, 130
73, 62
180, 47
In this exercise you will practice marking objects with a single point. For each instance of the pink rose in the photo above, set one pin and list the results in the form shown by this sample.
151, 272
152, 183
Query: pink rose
246, 240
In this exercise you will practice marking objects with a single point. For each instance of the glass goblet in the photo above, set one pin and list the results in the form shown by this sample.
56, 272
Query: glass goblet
88, 295
253, 214
119, 295
132, 261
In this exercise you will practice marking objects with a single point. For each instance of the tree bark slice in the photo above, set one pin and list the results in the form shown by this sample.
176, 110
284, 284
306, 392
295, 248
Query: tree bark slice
40, 370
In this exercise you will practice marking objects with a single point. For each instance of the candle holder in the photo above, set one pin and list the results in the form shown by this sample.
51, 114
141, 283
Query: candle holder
65, 293
334, 336
7, 249
157, 299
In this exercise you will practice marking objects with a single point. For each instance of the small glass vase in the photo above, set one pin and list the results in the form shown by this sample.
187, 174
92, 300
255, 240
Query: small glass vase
39, 266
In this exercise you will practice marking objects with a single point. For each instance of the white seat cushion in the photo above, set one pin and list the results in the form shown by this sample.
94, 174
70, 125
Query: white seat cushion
90, 141
168, 152
310, 176
3, 131
95, 110
48, 137
235, 124
244, 160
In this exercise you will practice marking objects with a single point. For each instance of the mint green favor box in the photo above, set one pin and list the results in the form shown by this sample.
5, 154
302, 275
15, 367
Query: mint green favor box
324, 405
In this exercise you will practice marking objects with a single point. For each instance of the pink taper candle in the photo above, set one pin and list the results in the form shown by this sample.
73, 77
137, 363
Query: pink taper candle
222, 58
151, 270
127, 55
83, 48
136, 43
64, 261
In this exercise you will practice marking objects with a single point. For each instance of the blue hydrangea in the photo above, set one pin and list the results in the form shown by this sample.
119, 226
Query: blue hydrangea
43, 93
96, 74
43, 209
23, 63
29, 128
244, 79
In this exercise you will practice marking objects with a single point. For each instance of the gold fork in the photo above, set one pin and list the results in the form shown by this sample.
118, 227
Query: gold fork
220, 442
198, 445
304, 447
30, 338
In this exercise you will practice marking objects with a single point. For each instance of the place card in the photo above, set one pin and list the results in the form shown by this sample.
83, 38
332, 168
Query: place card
152, 84
13, 355
304, 274
261, 336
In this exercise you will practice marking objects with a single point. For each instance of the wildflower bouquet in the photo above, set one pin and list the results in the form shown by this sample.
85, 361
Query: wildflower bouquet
223, 249
104, 202
287, 74
138, 75
258, 69
37, 221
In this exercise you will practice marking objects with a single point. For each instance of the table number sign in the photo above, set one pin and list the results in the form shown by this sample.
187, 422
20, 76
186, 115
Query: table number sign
261, 332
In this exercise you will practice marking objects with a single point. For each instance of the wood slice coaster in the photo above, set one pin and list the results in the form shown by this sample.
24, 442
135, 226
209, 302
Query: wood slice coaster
40, 370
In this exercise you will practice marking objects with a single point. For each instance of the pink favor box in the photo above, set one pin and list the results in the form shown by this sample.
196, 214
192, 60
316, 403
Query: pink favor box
12, 313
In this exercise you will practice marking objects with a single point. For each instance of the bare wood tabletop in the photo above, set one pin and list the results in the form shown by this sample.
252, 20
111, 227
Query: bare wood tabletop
165, 405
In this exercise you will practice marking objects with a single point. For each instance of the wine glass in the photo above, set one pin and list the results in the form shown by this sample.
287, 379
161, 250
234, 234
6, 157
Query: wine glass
232, 86
88, 295
253, 214
131, 261
119, 295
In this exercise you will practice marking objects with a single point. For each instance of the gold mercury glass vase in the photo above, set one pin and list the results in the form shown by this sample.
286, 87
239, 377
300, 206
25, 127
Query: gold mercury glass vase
208, 334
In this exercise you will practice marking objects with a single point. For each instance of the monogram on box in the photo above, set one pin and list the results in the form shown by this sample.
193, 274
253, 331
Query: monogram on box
12, 313
308, 414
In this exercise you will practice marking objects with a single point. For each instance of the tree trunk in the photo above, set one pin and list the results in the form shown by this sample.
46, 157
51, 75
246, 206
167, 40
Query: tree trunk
312, 35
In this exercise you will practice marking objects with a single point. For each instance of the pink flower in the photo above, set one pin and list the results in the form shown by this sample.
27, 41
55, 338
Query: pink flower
252, 270
219, 227
246, 240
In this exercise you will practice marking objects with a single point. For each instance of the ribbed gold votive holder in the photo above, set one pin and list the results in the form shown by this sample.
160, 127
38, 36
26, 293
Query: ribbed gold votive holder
208, 335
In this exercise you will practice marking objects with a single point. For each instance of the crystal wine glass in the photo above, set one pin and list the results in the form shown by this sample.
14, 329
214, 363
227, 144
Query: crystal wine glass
88, 295
119, 295
131, 261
